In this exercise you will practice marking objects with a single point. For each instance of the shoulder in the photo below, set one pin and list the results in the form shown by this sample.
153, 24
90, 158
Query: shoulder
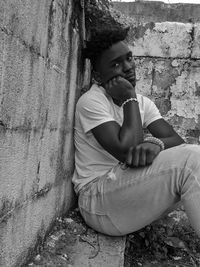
149, 109
93, 98
145, 103
144, 100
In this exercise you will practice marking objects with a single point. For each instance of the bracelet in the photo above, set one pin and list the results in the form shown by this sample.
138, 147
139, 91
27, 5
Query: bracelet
128, 100
156, 141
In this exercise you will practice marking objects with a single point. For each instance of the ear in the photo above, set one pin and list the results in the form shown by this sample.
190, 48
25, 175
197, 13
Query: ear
96, 77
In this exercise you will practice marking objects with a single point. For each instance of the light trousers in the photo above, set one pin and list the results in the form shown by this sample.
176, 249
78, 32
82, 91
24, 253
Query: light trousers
124, 201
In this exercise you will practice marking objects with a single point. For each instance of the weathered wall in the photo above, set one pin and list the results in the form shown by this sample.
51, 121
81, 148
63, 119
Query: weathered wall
143, 12
167, 59
39, 75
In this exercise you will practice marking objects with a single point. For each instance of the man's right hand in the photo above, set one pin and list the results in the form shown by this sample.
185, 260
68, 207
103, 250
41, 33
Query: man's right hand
142, 155
120, 89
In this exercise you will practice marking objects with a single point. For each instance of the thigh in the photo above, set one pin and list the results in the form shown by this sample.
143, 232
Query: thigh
135, 197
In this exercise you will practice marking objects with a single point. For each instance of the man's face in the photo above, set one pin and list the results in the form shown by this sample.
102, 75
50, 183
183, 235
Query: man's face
116, 61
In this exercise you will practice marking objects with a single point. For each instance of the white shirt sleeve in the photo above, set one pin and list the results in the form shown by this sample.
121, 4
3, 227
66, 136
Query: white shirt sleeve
151, 112
93, 110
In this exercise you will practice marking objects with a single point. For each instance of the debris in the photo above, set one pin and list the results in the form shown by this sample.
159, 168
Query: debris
96, 248
68, 220
175, 242
64, 257
51, 243
177, 258
37, 258
59, 219
54, 237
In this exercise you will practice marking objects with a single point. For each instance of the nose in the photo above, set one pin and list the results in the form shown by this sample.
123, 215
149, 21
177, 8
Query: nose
127, 66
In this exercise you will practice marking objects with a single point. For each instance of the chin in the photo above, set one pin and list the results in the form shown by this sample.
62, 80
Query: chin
133, 82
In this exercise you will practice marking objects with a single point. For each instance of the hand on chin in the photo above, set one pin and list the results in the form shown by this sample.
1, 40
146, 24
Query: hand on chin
132, 81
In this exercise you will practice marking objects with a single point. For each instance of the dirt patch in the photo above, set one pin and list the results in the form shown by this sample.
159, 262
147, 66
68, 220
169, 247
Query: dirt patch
58, 248
168, 242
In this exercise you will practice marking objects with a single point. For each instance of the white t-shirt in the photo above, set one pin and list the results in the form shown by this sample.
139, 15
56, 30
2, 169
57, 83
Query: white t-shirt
94, 108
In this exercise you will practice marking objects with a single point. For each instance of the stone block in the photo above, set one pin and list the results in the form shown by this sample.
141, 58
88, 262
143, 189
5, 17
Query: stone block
39, 25
196, 42
109, 253
144, 69
22, 78
32, 91
186, 93
72, 243
27, 218
27, 162
27, 21
155, 75
166, 39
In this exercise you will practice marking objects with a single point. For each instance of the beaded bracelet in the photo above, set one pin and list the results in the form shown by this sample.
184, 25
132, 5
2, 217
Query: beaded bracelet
128, 100
156, 141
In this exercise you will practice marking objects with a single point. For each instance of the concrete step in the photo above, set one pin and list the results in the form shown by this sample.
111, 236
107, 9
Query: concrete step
73, 244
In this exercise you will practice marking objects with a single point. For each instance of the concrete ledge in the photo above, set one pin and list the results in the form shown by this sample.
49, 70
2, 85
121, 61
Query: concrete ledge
99, 250
73, 244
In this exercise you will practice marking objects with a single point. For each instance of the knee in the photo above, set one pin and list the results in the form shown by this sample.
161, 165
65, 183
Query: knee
192, 154
181, 156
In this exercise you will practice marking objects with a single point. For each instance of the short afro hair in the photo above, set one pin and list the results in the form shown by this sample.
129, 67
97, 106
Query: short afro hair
101, 40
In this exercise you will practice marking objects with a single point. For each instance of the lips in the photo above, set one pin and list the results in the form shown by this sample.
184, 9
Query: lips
130, 77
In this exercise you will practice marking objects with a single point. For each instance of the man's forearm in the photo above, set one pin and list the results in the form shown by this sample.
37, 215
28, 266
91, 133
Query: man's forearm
172, 141
131, 132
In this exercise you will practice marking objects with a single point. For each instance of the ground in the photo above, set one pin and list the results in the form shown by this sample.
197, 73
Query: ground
168, 242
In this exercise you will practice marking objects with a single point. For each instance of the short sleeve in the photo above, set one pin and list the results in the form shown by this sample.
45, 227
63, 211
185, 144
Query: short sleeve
93, 110
151, 112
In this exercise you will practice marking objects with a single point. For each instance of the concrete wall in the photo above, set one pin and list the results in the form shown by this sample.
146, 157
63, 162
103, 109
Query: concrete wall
147, 11
40, 73
167, 57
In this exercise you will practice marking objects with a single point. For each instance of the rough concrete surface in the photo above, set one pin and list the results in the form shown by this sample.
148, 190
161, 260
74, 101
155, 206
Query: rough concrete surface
164, 39
73, 243
167, 71
158, 11
39, 80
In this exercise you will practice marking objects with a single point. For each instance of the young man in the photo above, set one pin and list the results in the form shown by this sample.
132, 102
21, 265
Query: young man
123, 180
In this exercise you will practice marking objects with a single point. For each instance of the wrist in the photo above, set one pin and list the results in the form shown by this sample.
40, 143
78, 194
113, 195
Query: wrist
156, 141
128, 95
129, 100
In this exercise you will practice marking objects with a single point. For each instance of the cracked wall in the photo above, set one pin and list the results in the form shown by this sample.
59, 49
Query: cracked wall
40, 75
158, 11
167, 57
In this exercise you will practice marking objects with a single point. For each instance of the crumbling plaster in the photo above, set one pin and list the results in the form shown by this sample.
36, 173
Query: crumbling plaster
167, 57
146, 11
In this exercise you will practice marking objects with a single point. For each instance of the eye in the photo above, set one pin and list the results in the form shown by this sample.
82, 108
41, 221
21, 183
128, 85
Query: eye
130, 58
116, 65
